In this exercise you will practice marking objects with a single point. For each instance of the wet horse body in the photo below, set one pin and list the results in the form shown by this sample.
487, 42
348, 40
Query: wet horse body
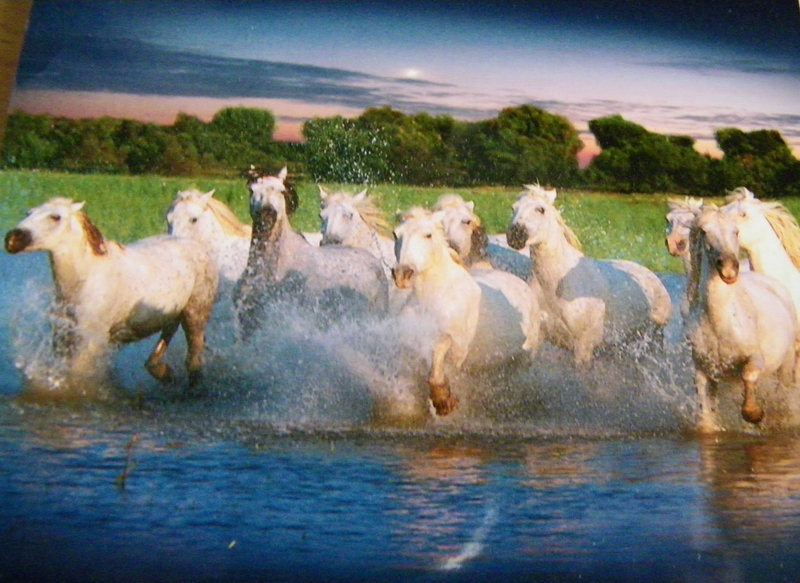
109, 294
330, 281
474, 324
740, 324
588, 303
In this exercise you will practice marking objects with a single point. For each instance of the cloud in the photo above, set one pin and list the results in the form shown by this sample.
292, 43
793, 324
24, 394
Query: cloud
87, 63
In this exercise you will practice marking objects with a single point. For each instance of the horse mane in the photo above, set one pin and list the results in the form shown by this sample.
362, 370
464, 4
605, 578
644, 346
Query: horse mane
230, 223
569, 234
785, 226
687, 203
779, 218
95, 239
367, 209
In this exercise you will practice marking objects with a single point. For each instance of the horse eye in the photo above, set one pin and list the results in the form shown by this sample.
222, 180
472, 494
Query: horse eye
466, 221
193, 220
540, 210
55, 217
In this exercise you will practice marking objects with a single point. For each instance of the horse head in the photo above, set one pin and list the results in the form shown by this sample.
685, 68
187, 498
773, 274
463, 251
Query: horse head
56, 224
419, 243
340, 216
535, 219
463, 228
680, 218
272, 199
187, 216
715, 236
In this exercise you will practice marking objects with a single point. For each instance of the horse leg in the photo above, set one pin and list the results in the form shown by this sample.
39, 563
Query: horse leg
702, 383
194, 329
441, 397
155, 362
751, 410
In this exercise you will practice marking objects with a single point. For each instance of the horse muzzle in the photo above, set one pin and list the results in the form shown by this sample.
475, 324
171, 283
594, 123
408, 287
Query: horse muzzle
402, 276
728, 270
517, 236
18, 240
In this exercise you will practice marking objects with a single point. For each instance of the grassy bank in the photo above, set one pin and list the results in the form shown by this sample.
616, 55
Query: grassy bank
127, 208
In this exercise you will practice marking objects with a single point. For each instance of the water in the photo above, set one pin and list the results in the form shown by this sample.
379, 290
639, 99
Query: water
312, 460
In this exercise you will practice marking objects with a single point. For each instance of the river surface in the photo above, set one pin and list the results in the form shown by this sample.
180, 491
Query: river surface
303, 463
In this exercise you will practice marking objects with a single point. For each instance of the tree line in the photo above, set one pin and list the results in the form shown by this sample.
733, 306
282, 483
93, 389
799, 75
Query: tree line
520, 145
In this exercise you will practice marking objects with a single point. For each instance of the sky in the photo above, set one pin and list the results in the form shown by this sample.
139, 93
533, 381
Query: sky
685, 67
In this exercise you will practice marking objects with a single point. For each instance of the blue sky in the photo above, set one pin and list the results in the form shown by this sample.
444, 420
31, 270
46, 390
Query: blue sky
680, 66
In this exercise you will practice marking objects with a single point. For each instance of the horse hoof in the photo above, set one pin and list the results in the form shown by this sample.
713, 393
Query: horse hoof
161, 372
753, 414
444, 407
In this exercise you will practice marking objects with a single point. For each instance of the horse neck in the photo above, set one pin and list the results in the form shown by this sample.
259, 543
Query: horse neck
70, 265
439, 275
552, 259
769, 256
271, 250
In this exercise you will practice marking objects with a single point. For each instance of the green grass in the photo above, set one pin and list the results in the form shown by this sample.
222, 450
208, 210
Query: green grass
127, 208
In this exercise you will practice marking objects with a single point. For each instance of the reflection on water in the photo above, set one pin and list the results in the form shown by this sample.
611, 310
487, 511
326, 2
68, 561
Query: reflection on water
285, 471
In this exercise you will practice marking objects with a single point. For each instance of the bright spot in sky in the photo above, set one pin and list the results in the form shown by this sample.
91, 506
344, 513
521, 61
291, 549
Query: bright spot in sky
412, 73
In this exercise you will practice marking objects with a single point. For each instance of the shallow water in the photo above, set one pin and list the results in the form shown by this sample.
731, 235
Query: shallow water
312, 458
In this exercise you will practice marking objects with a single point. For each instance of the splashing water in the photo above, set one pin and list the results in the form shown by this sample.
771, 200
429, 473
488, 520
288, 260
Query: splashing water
371, 374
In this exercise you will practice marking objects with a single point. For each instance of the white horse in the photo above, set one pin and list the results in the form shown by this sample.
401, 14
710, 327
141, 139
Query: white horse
588, 302
739, 323
770, 235
474, 322
680, 219
109, 294
333, 281
467, 235
356, 221
199, 216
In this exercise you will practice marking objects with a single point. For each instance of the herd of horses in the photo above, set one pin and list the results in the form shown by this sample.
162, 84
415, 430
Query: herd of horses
487, 300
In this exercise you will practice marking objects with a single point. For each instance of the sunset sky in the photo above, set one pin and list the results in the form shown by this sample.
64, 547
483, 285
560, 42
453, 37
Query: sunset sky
676, 66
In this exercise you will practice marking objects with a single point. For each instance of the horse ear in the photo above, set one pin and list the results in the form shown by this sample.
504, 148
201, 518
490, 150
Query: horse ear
551, 195
76, 206
206, 196
438, 216
471, 206
323, 194
282, 174
360, 196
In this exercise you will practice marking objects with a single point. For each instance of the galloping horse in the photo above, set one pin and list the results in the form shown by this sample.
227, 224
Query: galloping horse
473, 322
356, 221
332, 281
199, 216
739, 323
110, 294
588, 302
